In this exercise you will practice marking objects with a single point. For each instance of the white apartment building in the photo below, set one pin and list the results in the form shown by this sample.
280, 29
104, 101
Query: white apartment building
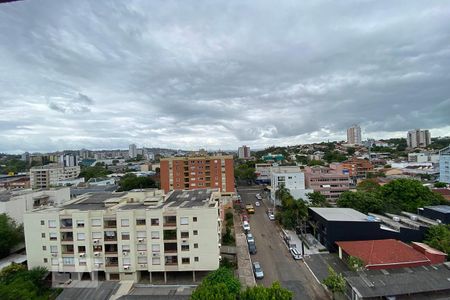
244, 152
418, 138
132, 151
137, 235
52, 175
292, 178
423, 157
444, 165
354, 135
16, 203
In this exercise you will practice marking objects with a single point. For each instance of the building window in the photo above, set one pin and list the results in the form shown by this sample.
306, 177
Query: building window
68, 261
142, 260
126, 261
42, 222
195, 245
53, 236
141, 247
184, 234
185, 260
195, 232
140, 222
80, 236
55, 262
96, 222
51, 223
194, 219
125, 236
156, 248
184, 220
43, 235
156, 261
53, 249
154, 222
44, 248
141, 234
126, 248
96, 235
155, 235
45, 260
125, 222
185, 247
196, 259
81, 249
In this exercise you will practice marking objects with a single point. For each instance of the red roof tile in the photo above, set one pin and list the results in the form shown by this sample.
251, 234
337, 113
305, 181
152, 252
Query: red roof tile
382, 252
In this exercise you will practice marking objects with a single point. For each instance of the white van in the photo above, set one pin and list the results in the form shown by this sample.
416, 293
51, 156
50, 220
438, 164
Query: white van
295, 253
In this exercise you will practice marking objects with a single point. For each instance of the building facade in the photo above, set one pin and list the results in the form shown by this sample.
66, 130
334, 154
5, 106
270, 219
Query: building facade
327, 181
356, 168
292, 179
354, 135
52, 175
444, 165
244, 152
126, 236
132, 151
418, 138
197, 172
263, 173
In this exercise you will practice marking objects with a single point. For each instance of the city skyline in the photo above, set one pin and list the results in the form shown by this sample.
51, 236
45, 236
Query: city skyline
103, 75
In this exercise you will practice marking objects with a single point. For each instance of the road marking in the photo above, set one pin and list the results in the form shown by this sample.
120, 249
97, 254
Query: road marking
312, 272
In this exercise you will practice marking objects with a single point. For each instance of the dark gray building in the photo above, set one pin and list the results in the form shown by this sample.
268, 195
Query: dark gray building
437, 212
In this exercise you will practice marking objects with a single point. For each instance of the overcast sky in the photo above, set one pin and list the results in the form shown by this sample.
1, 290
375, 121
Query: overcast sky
218, 74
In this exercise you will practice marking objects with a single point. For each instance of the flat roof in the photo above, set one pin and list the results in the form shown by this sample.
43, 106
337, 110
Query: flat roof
191, 198
405, 281
94, 201
440, 208
340, 214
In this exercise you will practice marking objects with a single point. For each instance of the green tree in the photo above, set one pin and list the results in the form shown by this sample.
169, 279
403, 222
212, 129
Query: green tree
10, 234
317, 200
274, 292
350, 151
97, 171
355, 263
364, 202
218, 285
131, 181
408, 195
335, 282
439, 237
368, 185
440, 185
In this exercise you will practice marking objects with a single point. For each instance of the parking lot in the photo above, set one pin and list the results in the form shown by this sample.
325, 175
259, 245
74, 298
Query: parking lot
273, 255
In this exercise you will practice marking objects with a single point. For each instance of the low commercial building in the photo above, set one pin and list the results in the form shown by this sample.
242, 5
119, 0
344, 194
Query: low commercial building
16, 203
14, 182
263, 173
137, 235
52, 175
439, 213
327, 181
389, 254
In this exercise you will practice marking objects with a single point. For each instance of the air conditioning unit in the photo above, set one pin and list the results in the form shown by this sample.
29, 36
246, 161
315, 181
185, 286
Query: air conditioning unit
126, 267
82, 254
97, 265
142, 253
140, 240
54, 254
125, 253
143, 265
97, 253
96, 241
155, 254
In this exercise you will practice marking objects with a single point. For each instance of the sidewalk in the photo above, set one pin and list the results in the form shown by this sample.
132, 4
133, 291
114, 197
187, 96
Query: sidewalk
245, 271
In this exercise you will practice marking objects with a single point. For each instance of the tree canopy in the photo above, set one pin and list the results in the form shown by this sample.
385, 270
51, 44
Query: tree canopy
97, 171
130, 181
438, 237
292, 211
317, 200
262, 293
10, 234
335, 282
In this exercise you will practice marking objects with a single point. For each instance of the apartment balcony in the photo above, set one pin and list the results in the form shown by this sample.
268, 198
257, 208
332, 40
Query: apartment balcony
169, 235
110, 224
170, 221
67, 237
170, 248
66, 224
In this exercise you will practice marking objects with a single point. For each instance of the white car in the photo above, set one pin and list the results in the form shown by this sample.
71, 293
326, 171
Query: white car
295, 253
257, 203
271, 215
246, 226
258, 196
250, 238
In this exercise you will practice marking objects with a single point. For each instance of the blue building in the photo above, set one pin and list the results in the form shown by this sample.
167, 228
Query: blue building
444, 165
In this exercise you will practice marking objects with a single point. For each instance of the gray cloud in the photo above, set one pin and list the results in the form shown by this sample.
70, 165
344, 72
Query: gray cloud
216, 75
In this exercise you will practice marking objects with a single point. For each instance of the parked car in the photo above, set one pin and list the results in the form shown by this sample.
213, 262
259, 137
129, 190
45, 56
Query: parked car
295, 253
250, 209
258, 196
246, 226
244, 217
257, 270
250, 238
257, 203
271, 215
252, 247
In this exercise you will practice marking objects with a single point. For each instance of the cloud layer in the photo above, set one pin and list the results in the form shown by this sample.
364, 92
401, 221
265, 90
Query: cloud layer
190, 74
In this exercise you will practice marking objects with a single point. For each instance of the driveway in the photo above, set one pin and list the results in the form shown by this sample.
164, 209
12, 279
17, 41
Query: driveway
276, 261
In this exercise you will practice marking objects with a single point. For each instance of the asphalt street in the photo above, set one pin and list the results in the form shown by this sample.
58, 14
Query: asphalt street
273, 255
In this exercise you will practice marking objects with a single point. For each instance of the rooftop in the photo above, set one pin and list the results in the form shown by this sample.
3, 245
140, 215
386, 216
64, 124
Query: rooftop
440, 208
340, 214
405, 281
382, 252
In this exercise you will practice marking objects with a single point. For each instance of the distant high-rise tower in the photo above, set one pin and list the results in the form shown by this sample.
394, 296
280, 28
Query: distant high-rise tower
354, 135
418, 138
132, 151
244, 152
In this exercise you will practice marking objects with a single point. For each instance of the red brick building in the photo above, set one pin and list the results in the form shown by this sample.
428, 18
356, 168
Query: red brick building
390, 254
354, 167
199, 172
